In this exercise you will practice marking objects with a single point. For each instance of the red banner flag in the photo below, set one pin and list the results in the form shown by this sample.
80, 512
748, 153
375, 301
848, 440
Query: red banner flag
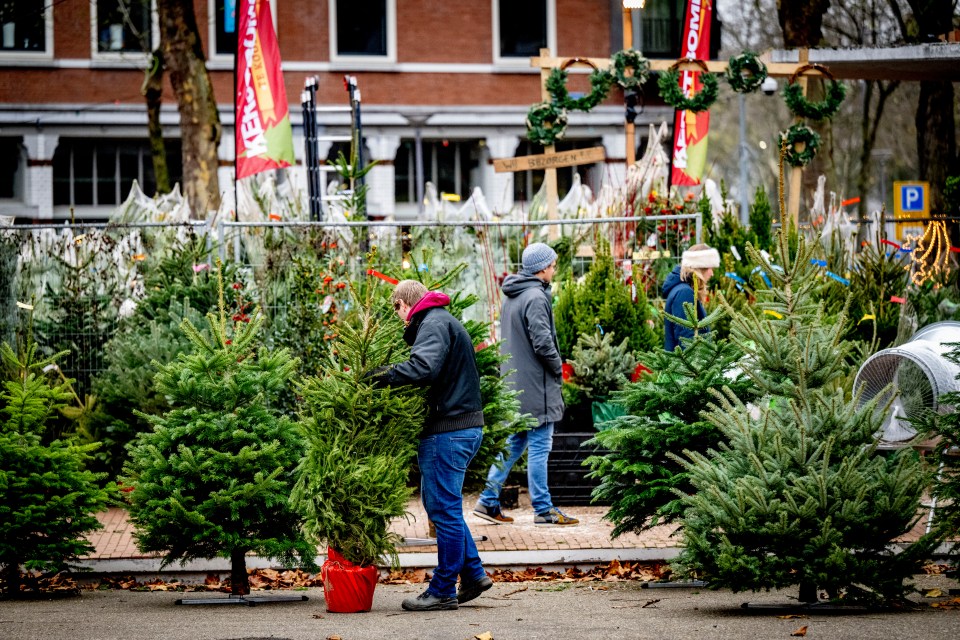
690, 129
262, 116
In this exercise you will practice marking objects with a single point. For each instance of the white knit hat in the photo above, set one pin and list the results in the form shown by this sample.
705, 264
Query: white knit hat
700, 259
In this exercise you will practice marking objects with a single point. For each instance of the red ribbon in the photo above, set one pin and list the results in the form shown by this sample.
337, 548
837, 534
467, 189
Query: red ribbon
892, 244
897, 299
385, 278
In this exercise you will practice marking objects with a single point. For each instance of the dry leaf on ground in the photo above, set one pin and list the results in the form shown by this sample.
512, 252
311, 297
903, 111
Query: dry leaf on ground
802, 631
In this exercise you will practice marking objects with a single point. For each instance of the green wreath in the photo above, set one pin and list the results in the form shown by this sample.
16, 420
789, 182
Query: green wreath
796, 135
746, 72
803, 108
630, 59
546, 123
600, 82
669, 83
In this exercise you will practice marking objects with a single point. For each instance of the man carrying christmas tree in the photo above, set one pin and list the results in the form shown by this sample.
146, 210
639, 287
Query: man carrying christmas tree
442, 358
535, 368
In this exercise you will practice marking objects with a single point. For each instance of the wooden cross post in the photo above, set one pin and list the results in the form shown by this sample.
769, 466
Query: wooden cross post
796, 173
548, 64
628, 127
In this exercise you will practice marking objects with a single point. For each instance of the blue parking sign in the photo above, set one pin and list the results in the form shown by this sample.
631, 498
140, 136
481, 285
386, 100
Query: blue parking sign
913, 198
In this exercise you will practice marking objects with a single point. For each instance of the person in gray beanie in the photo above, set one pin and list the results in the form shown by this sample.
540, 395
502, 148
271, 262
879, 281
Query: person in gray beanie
535, 369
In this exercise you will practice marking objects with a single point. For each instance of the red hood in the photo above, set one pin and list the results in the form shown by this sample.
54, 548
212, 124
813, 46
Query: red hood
430, 300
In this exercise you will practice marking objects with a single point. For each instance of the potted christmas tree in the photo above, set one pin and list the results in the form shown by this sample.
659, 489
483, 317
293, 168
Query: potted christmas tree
49, 498
600, 367
213, 477
360, 442
798, 494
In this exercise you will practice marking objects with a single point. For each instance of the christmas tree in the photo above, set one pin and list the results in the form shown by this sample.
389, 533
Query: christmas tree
604, 301
798, 494
637, 477
360, 439
213, 477
49, 498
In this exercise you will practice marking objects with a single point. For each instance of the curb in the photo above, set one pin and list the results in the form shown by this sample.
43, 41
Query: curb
491, 559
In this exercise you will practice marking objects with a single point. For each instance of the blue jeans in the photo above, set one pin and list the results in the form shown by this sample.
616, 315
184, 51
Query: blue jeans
540, 442
443, 459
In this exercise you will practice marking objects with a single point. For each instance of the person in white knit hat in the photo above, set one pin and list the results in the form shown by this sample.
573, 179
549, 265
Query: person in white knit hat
693, 273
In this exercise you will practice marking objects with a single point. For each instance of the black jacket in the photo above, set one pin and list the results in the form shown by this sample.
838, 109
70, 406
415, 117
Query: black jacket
441, 356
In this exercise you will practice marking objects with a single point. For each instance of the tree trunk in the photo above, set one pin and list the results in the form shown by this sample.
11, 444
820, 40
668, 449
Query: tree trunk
10, 580
808, 592
199, 120
153, 92
239, 580
936, 139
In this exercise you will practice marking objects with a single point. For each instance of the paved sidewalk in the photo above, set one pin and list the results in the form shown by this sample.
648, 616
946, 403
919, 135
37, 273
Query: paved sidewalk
520, 543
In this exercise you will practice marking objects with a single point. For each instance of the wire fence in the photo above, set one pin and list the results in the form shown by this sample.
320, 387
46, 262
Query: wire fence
79, 282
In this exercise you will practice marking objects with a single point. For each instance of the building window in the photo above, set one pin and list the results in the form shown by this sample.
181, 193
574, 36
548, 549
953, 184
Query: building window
97, 172
452, 165
224, 22
363, 28
25, 27
10, 169
523, 27
124, 26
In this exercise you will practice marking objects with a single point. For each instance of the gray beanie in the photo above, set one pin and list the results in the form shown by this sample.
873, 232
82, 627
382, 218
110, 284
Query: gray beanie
537, 257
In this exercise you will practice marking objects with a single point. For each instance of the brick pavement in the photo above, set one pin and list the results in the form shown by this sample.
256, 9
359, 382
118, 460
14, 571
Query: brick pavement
115, 540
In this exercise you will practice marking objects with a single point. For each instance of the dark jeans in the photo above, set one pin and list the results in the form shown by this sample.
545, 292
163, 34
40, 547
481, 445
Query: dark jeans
443, 459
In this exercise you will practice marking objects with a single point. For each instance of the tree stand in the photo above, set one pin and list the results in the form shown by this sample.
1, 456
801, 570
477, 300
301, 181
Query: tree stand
240, 587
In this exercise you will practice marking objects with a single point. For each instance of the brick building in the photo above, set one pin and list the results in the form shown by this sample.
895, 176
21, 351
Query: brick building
456, 75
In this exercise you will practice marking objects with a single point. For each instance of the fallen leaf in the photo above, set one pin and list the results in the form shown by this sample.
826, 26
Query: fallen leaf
802, 631
792, 616
318, 616
933, 593
650, 603
334, 638
486, 635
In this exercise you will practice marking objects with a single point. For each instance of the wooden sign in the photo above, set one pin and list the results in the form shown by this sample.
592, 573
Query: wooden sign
550, 160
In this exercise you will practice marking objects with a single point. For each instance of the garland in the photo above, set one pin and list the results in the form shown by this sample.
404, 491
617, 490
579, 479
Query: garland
672, 94
796, 135
630, 59
546, 123
803, 108
556, 84
746, 72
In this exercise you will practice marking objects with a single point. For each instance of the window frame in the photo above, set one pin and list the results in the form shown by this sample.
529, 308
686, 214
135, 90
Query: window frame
212, 54
141, 57
391, 55
9, 55
511, 61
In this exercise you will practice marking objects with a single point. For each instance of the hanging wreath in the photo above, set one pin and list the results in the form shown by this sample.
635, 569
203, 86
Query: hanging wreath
672, 94
546, 123
803, 108
600, 82
802, 144
746, 72
630, 59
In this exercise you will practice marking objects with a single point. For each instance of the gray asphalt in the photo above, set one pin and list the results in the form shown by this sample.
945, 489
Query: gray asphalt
509, 611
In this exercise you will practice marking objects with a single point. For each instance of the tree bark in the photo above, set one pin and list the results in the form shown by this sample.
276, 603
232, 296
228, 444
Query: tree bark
199, 120
153, 92
239, 580
936, 127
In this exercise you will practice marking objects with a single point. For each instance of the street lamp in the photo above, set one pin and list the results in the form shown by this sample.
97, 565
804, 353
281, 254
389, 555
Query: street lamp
769, 87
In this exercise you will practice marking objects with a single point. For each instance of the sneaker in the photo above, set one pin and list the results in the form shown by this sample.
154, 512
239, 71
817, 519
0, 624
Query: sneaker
554, 518
471, 590
426, 601
491, 514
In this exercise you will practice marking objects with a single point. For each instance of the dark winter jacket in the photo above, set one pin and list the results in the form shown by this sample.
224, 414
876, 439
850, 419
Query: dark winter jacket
441, 357
530, 339
676, 292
